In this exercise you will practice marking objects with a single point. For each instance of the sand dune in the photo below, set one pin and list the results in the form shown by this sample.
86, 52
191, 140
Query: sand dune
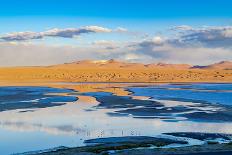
223, 65
171, 66
101, 64
117, 71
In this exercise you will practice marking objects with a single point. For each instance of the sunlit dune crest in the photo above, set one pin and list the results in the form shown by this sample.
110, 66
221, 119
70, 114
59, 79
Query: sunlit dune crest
173, 66
121, 64
224, 65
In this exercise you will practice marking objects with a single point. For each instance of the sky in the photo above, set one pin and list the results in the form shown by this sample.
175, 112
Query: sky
46, 32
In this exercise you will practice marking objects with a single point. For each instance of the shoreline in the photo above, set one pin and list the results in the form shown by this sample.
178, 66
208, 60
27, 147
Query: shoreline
191, 150
140, 145
5, 83
131, 147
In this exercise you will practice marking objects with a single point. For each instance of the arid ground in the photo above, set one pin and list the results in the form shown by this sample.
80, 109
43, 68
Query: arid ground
114, 71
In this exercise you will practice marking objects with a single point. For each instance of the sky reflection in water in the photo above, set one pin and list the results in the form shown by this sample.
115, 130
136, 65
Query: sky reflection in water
41, 127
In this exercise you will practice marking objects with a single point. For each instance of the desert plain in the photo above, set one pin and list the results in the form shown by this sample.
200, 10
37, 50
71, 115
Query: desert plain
116, 71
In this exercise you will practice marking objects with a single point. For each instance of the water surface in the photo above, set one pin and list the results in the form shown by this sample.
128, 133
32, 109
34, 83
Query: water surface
35, 118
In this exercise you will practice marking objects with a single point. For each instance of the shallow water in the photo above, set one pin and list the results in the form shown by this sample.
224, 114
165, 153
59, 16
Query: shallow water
212, 93
37, 118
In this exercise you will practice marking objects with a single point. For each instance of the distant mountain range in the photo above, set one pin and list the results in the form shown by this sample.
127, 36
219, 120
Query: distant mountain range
223, 65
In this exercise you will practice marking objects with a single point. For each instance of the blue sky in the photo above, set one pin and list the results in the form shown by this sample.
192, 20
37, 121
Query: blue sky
137, 9
144, 22
146, 14
37, 14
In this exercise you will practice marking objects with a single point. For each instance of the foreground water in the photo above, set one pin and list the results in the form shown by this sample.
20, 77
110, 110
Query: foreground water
37, 118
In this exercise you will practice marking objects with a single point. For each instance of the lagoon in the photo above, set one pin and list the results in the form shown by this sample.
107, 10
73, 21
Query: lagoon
39, 117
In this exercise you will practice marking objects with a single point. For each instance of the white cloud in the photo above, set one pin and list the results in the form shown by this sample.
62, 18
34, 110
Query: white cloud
18, 36
182, 28
158, 40
227, 33
104, 42
97, 29
173, 54
191, 45
121, 29
207, 36
23, 54
196, 46
64, 33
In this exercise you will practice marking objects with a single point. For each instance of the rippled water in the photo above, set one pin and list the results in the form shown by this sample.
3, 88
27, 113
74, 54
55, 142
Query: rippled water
35, 118
212, 93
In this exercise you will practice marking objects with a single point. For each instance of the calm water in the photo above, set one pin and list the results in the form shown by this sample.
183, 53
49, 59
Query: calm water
35, 118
